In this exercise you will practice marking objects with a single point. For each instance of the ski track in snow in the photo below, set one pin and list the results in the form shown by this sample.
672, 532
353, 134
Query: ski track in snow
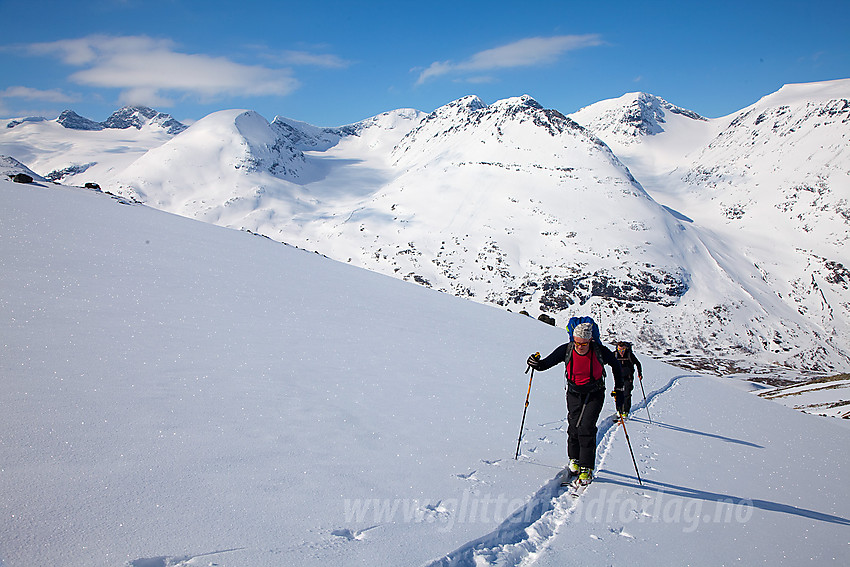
183, 561
526, 532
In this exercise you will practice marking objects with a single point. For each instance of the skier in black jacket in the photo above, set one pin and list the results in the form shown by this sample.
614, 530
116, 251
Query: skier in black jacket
584, 359
628, 361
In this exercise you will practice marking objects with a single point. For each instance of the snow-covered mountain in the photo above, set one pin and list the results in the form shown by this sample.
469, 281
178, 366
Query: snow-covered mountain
522, 207
176, 394
75, 150
772, 178
629, 118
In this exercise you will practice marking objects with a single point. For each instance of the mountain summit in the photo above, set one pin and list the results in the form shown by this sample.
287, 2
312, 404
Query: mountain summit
126, 117
631, 116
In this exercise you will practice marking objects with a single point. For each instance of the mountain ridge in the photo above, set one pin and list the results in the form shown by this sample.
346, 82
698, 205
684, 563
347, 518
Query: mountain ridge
126, 117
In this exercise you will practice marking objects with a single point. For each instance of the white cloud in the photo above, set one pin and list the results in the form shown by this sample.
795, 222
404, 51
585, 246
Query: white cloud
313, 59
527, 52
148, 70
88, 50
53, 95
479, 80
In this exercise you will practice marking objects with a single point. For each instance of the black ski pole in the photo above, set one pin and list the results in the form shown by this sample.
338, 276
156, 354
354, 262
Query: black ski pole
527, 396
581, 413
645, 403
623, 423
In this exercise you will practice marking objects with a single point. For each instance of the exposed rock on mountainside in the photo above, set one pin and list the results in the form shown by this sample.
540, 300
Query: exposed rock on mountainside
138, 116
127, 117
9, 167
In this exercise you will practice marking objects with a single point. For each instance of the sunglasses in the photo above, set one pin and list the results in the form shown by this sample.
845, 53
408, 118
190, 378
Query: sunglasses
582, 344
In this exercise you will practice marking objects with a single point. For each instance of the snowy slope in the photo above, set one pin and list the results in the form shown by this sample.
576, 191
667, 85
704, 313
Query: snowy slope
9, 167
180, 394
221, 164
828, 396
236, 169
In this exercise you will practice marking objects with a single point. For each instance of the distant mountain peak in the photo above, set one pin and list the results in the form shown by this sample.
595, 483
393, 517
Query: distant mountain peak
123, 118
73, 121
461, 107
647, 114
27, 119
521, 101
471, 110
631, 116
138, 116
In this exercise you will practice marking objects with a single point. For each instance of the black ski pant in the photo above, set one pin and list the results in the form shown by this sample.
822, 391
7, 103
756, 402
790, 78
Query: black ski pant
583, 411
624, 400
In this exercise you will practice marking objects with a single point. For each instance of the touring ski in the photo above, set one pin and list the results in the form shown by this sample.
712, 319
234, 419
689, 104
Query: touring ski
578, 487
568, 476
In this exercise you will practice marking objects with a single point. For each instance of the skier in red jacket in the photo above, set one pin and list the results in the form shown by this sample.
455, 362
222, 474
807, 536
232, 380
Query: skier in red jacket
584, 359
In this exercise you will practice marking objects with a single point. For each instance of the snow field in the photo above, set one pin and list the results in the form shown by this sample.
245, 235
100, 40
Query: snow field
176, 393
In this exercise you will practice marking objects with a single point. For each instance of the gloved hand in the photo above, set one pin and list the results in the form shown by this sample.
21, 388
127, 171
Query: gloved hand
534, 360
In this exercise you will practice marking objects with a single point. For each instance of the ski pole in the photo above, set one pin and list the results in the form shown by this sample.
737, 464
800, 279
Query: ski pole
527, 396
645, 403
623, 423
581, 413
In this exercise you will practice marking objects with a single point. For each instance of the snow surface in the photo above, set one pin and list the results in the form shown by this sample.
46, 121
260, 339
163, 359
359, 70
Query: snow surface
829, 397
176, 393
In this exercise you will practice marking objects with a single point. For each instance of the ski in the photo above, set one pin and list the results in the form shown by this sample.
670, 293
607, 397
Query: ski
568, 477
577, 488
570, 481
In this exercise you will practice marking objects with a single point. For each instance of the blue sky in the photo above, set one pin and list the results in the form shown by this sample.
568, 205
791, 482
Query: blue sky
331, 63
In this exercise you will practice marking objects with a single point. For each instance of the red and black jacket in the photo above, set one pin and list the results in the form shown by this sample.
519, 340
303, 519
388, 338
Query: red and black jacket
584, 374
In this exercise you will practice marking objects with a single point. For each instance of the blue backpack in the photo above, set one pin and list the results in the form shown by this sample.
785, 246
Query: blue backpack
576, 321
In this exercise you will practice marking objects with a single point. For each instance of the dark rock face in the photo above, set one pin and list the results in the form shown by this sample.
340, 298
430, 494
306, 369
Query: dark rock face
22, 178
73, 121
137, 116
127, 117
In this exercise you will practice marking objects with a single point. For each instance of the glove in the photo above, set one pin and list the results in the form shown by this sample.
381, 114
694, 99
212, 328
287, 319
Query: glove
534, 360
